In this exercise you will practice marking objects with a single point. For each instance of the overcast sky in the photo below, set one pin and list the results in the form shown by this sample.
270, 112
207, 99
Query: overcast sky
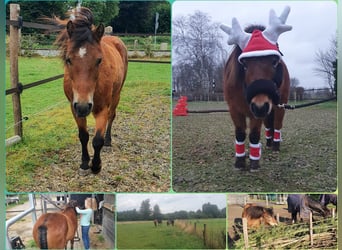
314, 24
169, 203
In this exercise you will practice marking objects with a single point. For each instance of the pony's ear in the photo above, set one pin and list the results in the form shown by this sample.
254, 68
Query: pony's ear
99, 32
70, 28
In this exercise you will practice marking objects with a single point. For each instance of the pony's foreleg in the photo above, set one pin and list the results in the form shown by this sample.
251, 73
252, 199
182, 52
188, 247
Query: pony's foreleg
72, 243
84, 138
240, 136
254, 144
98, 141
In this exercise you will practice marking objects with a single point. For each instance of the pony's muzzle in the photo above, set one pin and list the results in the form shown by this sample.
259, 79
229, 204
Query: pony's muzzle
260, 111
82, 109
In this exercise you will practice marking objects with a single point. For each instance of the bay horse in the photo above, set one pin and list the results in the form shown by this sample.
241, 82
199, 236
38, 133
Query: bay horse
95, 68
54, 230
258, 215
256, 80
302, 204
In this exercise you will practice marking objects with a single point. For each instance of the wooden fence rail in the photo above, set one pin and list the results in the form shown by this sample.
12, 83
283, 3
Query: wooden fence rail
290, 236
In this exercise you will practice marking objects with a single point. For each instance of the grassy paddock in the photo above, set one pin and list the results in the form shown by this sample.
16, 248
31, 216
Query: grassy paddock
215, 231
203, 153
50, 127
147, 236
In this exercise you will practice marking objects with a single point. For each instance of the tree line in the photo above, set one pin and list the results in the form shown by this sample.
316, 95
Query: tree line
123, 16
146, 212
199, 58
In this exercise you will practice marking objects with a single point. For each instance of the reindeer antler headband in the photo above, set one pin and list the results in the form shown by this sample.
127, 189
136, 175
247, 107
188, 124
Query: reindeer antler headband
259, 43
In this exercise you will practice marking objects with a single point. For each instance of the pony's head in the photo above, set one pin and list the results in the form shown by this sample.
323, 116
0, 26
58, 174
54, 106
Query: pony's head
268, 217
82, 55
260, 61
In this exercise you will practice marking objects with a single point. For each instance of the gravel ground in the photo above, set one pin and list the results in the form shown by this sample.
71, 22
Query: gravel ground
203, 155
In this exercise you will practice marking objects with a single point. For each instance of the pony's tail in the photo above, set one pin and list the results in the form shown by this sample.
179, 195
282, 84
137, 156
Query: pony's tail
42, 235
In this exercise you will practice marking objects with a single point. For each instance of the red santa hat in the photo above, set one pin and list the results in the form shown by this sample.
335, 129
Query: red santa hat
259, 45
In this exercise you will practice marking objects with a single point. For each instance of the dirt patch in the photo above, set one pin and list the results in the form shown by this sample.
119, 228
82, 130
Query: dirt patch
203, 154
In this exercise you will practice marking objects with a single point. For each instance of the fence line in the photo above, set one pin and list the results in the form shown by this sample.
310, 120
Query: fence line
202, 231
291, 235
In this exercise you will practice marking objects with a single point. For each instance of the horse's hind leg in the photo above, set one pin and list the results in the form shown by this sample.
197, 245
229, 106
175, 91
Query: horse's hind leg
269, 129
111, 117
108, 134
278, 124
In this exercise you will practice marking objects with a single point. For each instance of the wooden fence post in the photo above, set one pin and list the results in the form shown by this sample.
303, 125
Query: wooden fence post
14, 72
205, 234
311, 230
245, 232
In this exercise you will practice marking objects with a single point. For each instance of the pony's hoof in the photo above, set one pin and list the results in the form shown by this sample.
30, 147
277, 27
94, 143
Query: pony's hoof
254, 166
83, 172
276, 146
240, 163
269, 143
96, 168
107, 143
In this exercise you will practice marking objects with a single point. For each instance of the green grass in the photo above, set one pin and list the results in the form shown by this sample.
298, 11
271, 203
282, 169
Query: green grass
144, 235
50, 126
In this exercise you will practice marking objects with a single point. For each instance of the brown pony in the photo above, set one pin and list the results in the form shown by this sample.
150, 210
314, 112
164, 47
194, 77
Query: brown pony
54, 230
255, 82
257, 215
95, 68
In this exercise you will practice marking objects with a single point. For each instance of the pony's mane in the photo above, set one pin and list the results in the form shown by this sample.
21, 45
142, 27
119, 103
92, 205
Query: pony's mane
82, 19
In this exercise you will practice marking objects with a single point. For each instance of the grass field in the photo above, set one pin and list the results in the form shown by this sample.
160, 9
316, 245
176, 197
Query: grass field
147, 236
51, 136
203, 153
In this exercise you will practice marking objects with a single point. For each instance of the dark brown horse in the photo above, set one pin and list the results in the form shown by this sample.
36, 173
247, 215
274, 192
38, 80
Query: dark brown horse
302, 204
95, 68
258, 215
54, 230
256, 80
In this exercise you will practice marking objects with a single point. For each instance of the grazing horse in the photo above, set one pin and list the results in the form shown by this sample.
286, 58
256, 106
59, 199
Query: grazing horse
95, 68
257, 215
54, 230
157, 222
303, 204
170, 222
256, 80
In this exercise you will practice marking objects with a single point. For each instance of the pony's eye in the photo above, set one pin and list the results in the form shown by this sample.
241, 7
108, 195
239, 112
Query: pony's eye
98, 61
68, 61
275, 63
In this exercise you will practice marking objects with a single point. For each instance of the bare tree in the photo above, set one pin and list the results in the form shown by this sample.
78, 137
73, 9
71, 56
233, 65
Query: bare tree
326, 61
197, 52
